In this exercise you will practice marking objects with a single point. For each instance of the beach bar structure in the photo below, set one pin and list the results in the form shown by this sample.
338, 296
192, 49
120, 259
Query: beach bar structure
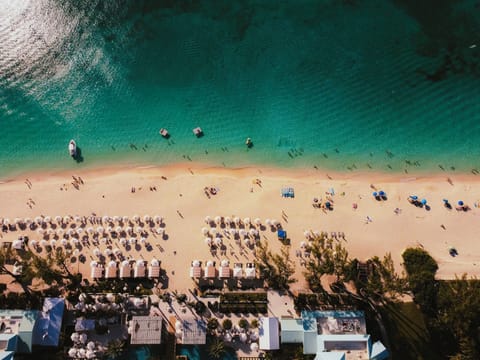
145, 330
332, 334
96, 270
111, 271
210, 270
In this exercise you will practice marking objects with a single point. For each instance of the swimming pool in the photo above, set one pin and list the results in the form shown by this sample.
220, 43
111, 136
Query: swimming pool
197, 352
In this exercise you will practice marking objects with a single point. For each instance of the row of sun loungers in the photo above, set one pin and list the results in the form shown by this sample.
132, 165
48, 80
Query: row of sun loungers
224, 271
125, 269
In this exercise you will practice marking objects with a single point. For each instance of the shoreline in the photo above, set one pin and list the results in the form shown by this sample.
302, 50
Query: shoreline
180, 198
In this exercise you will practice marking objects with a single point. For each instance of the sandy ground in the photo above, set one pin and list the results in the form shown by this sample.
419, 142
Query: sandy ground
180, 199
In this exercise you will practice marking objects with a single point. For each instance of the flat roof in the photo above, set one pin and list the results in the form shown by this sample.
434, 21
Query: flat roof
194, 331
269, 338
146, 330
334, 322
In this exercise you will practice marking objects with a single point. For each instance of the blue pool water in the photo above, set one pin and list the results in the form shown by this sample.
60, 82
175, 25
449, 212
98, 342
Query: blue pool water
196, 352
347, 85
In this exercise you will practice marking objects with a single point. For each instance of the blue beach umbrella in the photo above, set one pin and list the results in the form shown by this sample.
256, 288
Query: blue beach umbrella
381, 193
327, 204
424, 201
414, 197
445, 201
460, 203
375, 194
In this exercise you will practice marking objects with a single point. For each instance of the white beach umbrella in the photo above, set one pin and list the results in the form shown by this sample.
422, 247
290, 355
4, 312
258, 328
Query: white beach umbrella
224, 262
117, 251
236, 220
208, 241
109, 229
125, 219
50, 231
108, 252
72, 352
112, 264
27, 220
228, 220
76, 252
209, 263
213, 231
268, 222
75, 337
208, 219
38, 220
123, 241
132, 241
116, 218
205, 231
146, 218
64, 242
253, 232
129, 229
79, 231
103, 240
91, 344
18, 220
275, 222
218, 219
97, 252
135, 217
303, 244
43, 243
48, 219
90, 230
105, 219
159, 231
307, 234
17, 244
118, 229
66, 219
100, 229
316, 233
227, 337
141, 263
242, 232
53, 243
254, 336
83, 340
158, 219
218, 241
93, 263
70, 232
254, 346
196, 263
82, 353
33, 243
257, 221
247, 242
40, 231
143, 240
77, 218
60, 231
232, 231
243, 337
246, 220
139, 229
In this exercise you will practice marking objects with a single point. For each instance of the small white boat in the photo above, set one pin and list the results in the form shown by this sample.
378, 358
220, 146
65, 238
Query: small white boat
72, 148
164, 133
198, 132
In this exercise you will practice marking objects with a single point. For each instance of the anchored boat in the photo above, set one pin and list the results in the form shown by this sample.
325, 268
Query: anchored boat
72, 148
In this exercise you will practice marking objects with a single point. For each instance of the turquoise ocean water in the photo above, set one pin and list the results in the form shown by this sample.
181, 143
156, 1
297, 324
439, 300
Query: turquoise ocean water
349, 85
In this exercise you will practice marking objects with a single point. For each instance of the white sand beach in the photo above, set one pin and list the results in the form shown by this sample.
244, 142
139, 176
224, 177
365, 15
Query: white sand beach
178, 195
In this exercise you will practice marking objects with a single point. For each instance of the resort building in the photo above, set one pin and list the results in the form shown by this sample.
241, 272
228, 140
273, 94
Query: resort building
193, 331
16, 332
332, 335
268, 333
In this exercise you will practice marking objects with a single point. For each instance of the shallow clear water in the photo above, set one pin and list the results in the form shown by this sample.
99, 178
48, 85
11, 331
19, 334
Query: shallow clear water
347, 85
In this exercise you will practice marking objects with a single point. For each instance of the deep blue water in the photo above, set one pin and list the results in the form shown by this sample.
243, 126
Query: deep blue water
344, 84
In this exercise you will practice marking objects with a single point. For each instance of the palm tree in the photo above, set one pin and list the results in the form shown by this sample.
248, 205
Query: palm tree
115, 349
216, 349
9, 256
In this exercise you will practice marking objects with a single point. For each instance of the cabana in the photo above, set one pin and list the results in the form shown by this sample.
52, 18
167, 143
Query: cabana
111, 271
196, 269
224, 270
238, 271
125, 269
250, 271
154, 269
210, 270
96, 270
139, 271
